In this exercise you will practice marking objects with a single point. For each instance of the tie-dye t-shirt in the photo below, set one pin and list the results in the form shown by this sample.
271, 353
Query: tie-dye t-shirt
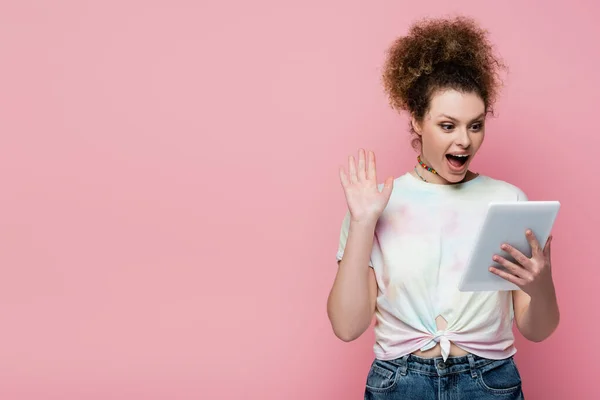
420, 249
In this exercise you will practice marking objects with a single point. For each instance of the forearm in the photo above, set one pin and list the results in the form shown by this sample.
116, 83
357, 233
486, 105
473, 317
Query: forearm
350, 305
541, 316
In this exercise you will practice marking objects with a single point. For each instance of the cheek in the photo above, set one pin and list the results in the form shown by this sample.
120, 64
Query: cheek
477, 140
436, 142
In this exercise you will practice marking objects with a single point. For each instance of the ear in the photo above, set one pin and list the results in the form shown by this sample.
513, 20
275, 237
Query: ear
415, 125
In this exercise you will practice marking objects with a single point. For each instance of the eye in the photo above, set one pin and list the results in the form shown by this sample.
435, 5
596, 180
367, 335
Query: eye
477, 126
447, 127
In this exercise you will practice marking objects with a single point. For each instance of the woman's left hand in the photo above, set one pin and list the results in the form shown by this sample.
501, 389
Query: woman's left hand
532, 275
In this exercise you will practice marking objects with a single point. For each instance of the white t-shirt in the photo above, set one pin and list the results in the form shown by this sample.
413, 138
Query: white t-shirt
420, 247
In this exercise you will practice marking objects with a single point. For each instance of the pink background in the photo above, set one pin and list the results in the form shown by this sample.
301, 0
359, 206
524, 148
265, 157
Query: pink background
170, 203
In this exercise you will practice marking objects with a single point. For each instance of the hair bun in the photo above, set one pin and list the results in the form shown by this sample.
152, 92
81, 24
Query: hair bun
451, 52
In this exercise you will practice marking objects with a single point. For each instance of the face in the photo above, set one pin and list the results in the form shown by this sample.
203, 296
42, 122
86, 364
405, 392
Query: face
451, 133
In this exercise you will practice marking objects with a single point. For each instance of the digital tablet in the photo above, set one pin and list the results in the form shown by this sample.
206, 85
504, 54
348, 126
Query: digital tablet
505, 222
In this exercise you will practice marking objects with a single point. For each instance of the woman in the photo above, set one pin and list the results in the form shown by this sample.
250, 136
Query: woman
403, 243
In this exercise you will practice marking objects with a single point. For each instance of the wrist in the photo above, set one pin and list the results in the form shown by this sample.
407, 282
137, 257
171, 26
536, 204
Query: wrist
366, 223
545, 292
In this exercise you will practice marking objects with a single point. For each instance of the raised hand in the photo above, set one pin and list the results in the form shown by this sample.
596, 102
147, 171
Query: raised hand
365, 202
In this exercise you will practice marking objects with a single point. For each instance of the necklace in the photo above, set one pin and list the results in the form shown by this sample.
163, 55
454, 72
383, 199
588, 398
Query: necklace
425, 166
419, 175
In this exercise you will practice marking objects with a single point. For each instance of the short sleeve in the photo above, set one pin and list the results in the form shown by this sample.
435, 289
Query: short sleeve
521, 196
344, 237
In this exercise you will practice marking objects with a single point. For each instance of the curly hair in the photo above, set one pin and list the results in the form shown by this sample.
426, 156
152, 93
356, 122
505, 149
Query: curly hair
440, 54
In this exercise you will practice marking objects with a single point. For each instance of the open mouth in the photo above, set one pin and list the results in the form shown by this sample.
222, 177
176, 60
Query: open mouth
457, 161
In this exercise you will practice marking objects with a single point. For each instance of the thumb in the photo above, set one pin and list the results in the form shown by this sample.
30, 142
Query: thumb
387, 187
547, 249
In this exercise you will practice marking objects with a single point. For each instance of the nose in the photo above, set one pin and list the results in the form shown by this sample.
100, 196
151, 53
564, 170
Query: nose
463, 138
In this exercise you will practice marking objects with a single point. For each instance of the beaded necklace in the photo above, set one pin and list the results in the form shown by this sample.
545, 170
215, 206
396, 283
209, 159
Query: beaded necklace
425, 167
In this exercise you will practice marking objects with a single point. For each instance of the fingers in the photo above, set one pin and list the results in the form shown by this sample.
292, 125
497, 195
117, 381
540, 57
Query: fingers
519, 257
388, 185
365, 168
547, 251
511, 267
362, 172
343, 177
371, 172
533, 242
506, 276
352, 169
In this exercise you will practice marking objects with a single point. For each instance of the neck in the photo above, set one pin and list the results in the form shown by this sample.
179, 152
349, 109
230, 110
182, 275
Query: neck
430, 177
427, 173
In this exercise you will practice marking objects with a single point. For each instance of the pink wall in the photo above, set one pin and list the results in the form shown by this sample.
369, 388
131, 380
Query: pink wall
170, 200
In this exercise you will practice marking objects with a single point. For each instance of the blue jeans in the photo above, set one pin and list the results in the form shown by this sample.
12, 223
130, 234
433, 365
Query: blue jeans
458, 378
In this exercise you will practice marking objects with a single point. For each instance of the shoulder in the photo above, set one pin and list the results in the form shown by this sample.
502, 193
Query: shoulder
405, 186
501, 187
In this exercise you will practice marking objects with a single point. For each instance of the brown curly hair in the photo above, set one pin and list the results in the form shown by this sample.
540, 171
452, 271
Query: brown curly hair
437, 54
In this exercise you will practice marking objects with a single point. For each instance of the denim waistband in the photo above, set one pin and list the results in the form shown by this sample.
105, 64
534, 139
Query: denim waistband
438, 367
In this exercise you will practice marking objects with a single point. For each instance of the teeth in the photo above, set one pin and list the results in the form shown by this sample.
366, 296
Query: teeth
459, 155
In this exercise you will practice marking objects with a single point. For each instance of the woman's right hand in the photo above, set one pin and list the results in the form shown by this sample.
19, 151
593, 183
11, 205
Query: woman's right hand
365, 202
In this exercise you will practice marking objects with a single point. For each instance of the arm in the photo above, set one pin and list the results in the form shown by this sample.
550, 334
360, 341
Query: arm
535, 305
536, 317
351, 302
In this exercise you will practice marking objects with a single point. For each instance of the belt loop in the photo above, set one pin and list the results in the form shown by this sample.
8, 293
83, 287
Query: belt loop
404, 365
472, 365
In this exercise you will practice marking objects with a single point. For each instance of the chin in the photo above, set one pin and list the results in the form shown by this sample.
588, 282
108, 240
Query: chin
455, 176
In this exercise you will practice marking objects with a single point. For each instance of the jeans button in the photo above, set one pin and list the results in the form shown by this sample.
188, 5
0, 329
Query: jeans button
441, 365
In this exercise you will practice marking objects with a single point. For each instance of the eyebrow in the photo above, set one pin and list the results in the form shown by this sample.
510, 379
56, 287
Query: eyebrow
455, 120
